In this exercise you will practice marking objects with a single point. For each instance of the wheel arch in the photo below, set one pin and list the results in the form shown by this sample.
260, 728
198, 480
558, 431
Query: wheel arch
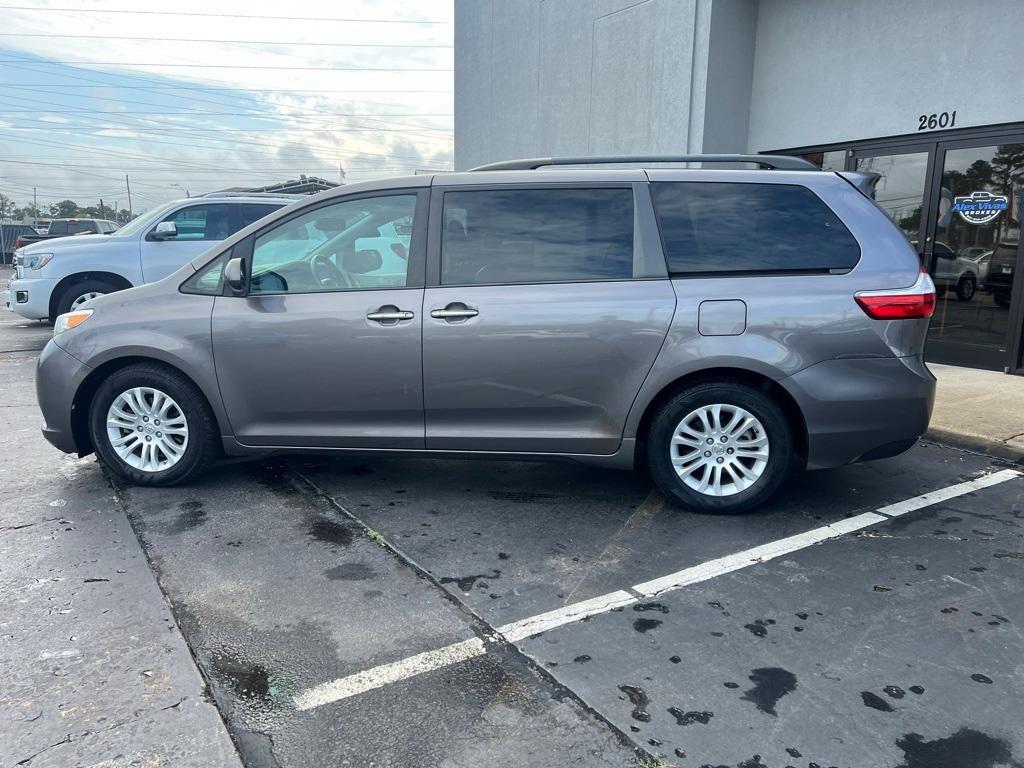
113, 278
790, 408
87, 391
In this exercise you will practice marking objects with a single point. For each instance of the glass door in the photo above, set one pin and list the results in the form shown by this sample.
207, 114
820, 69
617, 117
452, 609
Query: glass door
975, 218
902, 189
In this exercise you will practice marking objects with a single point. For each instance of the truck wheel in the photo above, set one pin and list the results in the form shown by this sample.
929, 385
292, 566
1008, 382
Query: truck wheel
150, 425
78, 293
965, 288
720, 447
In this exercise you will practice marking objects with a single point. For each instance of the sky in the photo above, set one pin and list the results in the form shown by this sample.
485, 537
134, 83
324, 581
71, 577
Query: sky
201, 95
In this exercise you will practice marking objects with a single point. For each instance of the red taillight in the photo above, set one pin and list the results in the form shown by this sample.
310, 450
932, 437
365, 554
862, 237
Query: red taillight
19, 242
897, 306
917, 301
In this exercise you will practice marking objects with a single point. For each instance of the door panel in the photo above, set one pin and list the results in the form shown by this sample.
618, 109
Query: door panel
310, 369
977, 238
545, 368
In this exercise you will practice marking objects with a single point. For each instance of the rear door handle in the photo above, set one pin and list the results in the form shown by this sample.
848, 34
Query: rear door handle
454, 312
388, 315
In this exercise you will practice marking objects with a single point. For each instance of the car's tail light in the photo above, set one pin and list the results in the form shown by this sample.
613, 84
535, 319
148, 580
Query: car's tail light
917, 301
20, 242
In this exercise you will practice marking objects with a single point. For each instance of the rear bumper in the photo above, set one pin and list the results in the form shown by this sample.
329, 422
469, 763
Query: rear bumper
863, 409
58, 377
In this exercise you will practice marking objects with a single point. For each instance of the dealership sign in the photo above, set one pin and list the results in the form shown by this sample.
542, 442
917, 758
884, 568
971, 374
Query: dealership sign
980, 207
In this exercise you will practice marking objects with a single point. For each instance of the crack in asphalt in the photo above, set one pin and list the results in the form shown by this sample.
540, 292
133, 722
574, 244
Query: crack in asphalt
478, 623
69, 737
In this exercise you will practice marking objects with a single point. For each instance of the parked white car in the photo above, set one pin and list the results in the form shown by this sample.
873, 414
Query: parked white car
55, 276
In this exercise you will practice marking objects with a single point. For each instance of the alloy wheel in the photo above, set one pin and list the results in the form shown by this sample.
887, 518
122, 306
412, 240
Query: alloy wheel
147, 429
719, 449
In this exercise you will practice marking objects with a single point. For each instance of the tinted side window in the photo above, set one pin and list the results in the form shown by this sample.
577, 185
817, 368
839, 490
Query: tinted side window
82, 227
251, 212
711, 227
58, 228
536, 236
201, 222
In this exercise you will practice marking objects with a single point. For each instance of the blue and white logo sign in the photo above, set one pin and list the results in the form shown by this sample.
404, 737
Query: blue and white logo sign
980, 207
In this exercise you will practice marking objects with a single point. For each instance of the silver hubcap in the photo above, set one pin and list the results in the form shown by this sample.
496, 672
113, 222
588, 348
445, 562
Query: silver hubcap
719, 450
84, 298
147, 429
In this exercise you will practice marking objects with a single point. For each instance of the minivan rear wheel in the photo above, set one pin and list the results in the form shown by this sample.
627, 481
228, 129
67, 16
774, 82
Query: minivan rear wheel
720, 447
150, 425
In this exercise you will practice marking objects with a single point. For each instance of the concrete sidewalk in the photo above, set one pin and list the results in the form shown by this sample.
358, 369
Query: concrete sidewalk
983, 410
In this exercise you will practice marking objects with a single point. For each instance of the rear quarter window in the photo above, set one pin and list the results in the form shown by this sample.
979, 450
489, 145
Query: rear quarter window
730, 228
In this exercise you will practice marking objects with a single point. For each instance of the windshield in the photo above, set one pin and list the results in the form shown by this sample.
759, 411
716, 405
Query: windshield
143, 221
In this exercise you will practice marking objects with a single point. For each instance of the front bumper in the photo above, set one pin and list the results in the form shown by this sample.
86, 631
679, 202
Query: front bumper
58, 377
30, 296
862, 409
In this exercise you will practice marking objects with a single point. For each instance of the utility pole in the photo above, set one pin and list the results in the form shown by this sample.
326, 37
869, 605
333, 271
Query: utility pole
35, 208
129, 186
101, 209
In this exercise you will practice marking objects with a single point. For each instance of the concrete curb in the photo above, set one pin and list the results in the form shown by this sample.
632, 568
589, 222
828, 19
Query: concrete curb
987, 446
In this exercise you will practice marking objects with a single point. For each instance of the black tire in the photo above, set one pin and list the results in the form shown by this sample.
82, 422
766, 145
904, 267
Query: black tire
1002, 299
781, 460
82, 287
966, 287
203, 446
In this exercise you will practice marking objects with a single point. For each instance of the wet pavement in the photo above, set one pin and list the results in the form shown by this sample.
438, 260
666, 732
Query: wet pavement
897, 645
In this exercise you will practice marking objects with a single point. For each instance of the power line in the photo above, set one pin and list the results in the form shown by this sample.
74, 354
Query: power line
218, 88
188, 113
215, 40
220, 65
100, 123
261, 102
253, 115
220, 15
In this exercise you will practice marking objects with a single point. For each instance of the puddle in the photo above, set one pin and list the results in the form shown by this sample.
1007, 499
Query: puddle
770, 685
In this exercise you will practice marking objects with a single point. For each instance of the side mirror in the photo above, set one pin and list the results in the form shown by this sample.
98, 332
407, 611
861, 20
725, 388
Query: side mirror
165, 230
235, 277
361, 262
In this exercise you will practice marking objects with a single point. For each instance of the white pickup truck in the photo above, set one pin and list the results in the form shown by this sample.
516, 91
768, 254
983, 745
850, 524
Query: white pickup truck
56, 276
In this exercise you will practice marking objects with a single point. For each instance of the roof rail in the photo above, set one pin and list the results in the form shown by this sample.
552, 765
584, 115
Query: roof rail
289, 196
769, 162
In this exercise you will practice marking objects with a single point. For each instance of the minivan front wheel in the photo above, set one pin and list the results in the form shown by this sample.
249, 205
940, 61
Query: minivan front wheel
152, 426
722, 448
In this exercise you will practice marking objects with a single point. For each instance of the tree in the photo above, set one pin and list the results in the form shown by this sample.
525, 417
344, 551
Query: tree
66, 209
6, 206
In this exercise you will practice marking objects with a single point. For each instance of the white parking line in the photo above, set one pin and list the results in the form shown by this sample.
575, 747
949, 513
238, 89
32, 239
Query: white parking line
378, 677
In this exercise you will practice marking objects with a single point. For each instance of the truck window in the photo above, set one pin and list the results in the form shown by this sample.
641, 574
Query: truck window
209, 221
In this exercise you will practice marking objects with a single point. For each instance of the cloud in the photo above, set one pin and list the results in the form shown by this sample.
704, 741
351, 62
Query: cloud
232, 121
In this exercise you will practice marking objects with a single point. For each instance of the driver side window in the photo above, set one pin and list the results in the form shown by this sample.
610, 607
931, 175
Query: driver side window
349, 245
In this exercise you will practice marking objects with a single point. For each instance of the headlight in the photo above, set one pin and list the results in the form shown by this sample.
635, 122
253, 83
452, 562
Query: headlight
70, 320
33, 260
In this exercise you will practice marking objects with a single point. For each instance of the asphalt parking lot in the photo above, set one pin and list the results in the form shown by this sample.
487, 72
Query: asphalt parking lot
372, 612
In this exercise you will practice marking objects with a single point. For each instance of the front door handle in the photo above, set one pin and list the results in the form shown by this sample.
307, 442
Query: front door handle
389, 315
454, 312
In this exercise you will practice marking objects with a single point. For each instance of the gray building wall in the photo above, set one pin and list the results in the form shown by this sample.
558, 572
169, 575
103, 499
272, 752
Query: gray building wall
555, 77
549, 77
838, 70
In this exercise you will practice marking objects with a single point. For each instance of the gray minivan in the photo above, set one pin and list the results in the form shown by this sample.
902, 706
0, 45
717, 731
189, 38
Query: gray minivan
724, 327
